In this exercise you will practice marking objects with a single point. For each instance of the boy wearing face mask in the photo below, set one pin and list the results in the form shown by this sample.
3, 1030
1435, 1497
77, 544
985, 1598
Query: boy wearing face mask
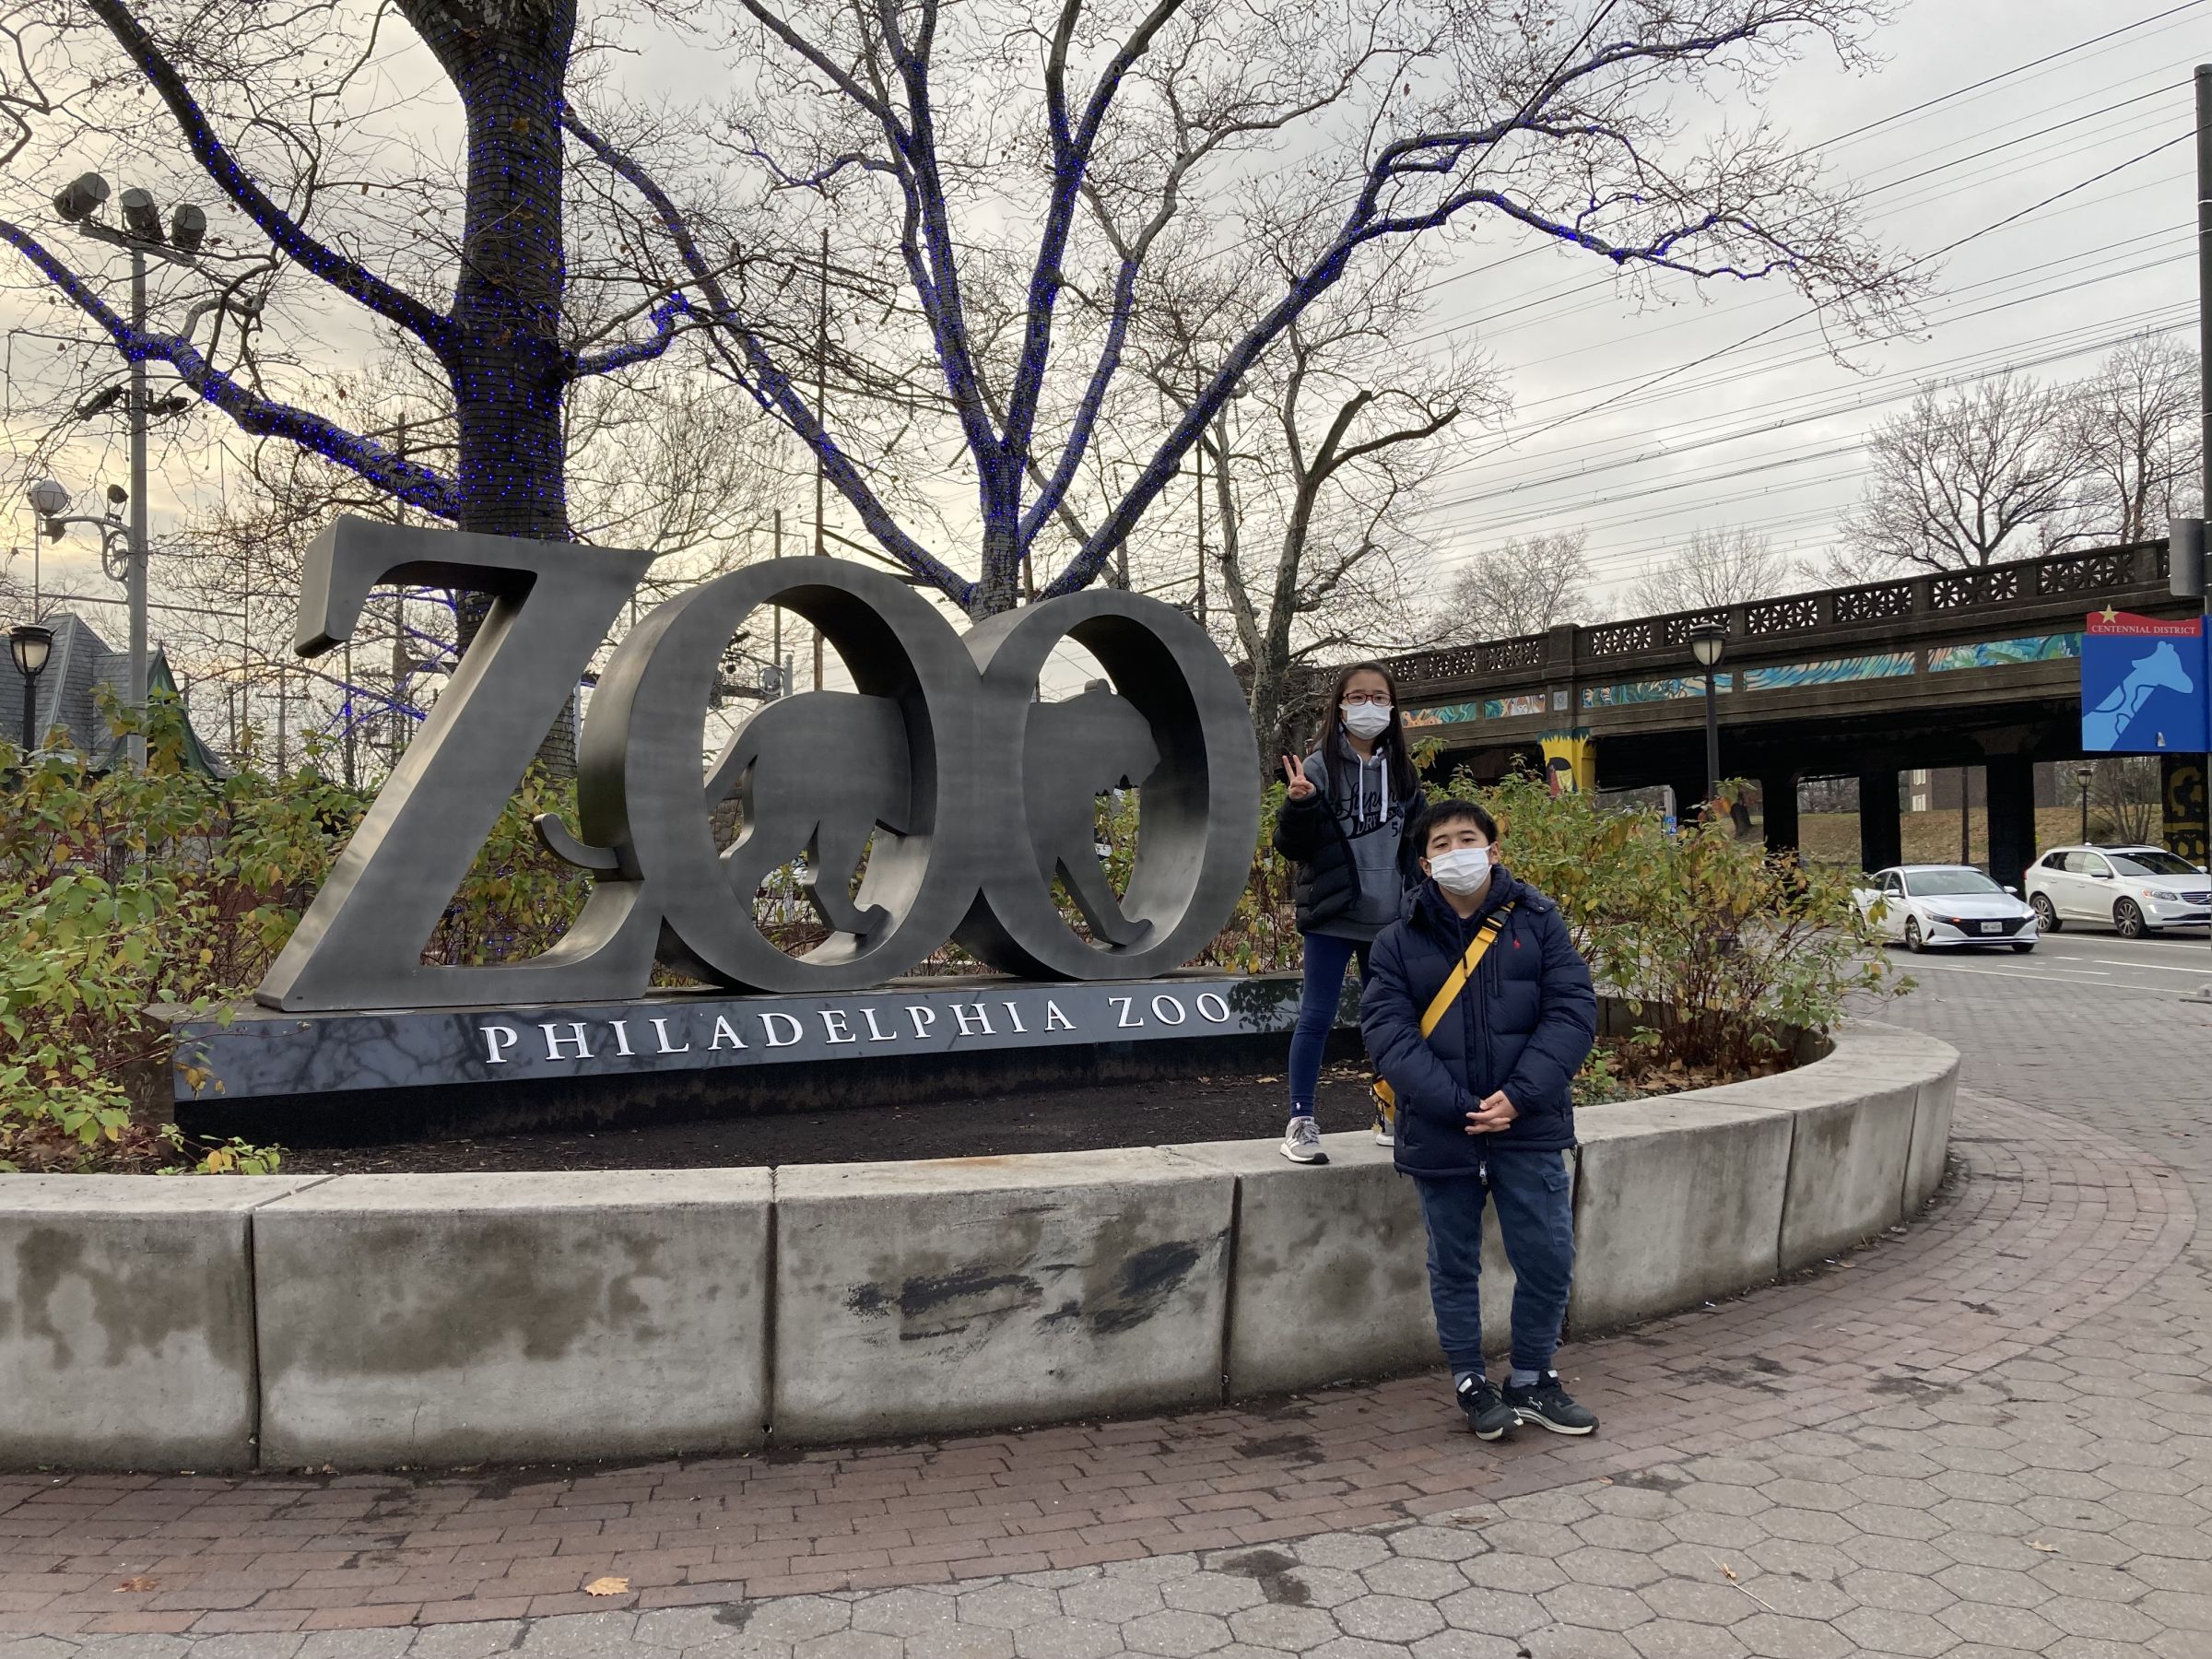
1484, 1109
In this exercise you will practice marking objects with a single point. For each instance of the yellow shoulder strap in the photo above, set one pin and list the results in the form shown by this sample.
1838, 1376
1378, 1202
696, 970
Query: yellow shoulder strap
1464, 970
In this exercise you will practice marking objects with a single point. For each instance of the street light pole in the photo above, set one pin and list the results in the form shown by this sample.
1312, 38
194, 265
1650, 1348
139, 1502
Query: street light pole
2082, 775
135, 583
29, 645
1707, 641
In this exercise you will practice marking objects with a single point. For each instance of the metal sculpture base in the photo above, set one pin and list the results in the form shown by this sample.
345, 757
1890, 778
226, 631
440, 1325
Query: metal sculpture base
407, 1073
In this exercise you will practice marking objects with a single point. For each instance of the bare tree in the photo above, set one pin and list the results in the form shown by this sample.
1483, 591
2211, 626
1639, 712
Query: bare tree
1016, 173
288, 117
658, 460
1521, 586
1720, 567
2124, 792
1964, 478
2137, 423
1314, 474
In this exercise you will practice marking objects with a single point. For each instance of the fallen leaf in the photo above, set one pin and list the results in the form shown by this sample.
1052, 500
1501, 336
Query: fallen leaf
2046, 1548
1727, 1571
607, 1586
139, 1585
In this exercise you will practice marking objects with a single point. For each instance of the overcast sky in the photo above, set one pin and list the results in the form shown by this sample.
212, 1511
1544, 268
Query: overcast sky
1719, 405
1639, 424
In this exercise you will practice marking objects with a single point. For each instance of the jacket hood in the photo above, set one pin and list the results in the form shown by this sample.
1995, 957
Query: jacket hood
1428, 908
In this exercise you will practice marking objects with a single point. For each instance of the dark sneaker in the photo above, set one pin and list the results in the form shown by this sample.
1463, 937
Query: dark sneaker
1488, 1413
1548, 1405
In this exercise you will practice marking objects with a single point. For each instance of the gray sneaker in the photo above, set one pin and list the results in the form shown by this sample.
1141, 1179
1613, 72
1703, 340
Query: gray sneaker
1301, 1142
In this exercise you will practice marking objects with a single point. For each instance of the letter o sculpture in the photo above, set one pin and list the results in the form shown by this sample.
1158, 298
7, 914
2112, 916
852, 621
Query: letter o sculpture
1201, 809
641, 789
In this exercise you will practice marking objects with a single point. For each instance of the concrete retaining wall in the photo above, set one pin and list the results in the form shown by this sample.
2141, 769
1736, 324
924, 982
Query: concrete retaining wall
383, 1319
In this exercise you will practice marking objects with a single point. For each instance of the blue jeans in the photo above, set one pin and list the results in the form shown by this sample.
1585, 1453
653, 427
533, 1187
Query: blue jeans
1326, 957
1535, 1216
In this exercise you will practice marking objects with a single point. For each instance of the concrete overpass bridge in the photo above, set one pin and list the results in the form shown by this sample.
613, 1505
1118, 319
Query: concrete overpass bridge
1956, 668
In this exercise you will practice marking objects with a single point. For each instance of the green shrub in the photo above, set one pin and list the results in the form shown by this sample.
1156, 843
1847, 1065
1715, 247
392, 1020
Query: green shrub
126, 889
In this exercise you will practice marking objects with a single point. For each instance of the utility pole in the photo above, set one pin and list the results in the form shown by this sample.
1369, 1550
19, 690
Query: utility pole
2185, 538
2204, 384
821, 415
776, 613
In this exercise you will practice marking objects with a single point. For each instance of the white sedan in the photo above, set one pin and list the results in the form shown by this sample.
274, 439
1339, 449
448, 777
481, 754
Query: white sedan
2134, 890
1928, 905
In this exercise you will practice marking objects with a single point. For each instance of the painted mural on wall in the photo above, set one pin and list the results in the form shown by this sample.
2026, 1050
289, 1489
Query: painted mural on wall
1887, 665
1649, 692
2005, 653
2182, 799
1570, 763
1488, 708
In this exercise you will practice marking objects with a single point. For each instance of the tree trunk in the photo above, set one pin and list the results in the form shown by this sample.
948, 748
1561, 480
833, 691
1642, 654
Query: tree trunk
998, 587
508, 59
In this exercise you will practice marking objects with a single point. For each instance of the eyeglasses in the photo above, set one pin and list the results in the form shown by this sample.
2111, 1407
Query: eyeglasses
1377, 699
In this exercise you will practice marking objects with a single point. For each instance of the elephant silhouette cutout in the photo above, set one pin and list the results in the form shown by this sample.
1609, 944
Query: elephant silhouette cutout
2161, 670
816, 773
1074, 751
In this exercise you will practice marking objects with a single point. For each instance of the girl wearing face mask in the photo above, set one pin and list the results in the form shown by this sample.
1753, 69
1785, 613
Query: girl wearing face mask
1343, 825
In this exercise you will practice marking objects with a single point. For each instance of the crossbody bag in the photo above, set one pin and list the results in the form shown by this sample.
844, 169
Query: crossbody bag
1386, 1098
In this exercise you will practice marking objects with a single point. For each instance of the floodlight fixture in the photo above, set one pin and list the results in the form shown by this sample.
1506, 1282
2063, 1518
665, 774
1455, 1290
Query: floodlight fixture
187, 229
141, 218
81, 198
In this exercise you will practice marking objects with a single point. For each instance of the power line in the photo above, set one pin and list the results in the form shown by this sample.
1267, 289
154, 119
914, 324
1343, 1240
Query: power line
1586, 468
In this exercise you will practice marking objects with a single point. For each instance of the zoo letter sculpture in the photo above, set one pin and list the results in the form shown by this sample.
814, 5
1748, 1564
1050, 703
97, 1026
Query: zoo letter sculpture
939, 756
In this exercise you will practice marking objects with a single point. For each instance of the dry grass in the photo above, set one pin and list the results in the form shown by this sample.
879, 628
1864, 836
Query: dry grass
1933, 837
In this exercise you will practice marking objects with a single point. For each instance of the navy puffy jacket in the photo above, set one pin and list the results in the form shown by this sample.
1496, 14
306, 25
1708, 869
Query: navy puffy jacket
1524, 1025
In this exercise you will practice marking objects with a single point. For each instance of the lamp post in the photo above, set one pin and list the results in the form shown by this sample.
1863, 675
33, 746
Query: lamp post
1707, 640
2084, 775
31, 644
78, 204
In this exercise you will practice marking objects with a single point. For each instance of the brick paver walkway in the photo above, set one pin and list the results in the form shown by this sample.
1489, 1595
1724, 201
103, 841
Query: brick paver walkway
1991, 1435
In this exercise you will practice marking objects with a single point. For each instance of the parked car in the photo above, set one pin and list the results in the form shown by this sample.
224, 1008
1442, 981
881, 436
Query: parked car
2135, 890
1947, 905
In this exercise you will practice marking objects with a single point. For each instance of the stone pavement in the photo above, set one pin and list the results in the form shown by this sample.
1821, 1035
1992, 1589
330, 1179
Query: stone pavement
1990, 1436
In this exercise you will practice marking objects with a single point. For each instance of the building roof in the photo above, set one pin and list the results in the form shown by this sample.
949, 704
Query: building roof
68, 695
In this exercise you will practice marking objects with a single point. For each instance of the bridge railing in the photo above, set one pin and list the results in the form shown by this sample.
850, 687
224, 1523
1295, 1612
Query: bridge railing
1793, 619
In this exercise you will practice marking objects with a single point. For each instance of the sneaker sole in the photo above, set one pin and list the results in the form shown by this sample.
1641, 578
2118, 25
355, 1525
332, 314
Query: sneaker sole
1495, 1434
1318, 1158
1541, 1421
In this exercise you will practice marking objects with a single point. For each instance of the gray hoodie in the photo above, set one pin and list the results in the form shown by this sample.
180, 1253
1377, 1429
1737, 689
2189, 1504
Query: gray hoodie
1374, 821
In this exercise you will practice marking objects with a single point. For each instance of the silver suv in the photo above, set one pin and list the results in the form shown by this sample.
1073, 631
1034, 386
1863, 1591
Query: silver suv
2135, 890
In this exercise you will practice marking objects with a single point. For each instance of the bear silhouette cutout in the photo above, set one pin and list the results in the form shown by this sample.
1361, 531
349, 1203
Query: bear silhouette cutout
817, 773
1073, 752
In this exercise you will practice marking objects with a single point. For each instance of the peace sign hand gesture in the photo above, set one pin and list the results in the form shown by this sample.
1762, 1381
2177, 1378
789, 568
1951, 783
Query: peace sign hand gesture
1301, 786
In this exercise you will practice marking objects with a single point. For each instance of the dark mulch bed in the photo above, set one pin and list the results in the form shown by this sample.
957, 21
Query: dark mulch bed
1067, 1120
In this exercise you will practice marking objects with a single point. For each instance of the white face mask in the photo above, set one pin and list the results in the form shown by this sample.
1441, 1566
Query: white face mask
1365, 721
1464, 870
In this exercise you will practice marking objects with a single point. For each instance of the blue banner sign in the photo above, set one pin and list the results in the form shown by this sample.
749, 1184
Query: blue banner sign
2143, 685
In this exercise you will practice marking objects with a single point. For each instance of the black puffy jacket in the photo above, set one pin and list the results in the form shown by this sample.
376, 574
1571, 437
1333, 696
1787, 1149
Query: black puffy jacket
1524, 1024
1324, 886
